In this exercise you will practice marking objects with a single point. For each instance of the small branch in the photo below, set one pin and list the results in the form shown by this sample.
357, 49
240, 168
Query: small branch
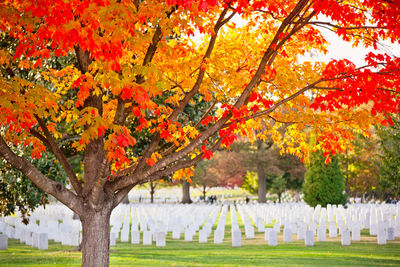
49, 141
320, 23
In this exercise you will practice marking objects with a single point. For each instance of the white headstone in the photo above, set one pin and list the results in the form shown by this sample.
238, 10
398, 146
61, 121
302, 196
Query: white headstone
135, 237
301, 232
236, 238
309, 238
273, 238
249, 231
277, 228
218, 236
28, 238
345, 238
113, 237
355, 233
18, 231
125, 234
287, 234
22, 235
43, 241
3, 242
332, 230
382, 237
176, 233
74, 238
35, 240
188, 234
10, 232
266, 233
373, 229
203, 236
321, 234
147, 238
260, 224
160, 240
390, 233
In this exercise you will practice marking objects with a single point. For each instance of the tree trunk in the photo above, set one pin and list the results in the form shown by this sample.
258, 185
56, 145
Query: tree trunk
204, 192
96, 239
186, 192
151, 195
153, 186
279, 197
262, 186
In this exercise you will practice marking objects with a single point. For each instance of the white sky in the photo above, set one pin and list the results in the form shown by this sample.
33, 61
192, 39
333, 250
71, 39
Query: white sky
339, 49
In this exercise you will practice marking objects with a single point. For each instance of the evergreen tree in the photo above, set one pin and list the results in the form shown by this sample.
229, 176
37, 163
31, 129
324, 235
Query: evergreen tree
323, 183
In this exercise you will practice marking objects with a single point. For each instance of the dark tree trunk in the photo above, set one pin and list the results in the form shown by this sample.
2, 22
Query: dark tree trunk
204, 192
262, 186
152, 191
186, 192
279, 197
96, 239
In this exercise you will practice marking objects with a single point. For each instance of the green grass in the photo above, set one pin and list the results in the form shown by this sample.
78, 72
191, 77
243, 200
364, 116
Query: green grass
181, 253
254, 252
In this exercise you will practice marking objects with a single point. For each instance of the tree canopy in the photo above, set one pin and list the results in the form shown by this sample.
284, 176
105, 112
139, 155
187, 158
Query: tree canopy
133, 68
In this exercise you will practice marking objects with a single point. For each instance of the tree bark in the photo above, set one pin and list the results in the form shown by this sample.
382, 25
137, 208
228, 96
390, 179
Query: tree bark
204, 192
262, 187
186, 192
152, 191
96, 238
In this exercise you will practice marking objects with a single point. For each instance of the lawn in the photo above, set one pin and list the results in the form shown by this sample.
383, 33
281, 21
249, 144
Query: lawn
254, 252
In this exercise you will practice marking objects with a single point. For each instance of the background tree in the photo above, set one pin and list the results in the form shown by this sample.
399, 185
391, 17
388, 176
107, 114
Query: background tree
389, 167
360, 166
127, 55
228, 169
323, 182
250, 182
186, 192
270, 163
204, 176
278, 186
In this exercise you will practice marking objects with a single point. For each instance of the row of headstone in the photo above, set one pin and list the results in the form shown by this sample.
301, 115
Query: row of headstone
303, 220
154, 222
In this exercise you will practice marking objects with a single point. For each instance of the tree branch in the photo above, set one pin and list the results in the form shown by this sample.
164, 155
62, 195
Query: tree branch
49, 186
49, 141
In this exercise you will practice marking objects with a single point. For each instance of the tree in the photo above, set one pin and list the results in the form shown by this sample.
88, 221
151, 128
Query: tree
360, 165
278, 186
17, 192
227, 168
323, 182
272, 165
389, 168
186, 192
250, 182
204, 176
128, 56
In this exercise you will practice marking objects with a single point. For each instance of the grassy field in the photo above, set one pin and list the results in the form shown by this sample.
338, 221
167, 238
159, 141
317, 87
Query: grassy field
254, 252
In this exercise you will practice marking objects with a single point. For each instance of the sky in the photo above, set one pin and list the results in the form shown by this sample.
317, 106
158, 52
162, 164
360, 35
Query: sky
340, 49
